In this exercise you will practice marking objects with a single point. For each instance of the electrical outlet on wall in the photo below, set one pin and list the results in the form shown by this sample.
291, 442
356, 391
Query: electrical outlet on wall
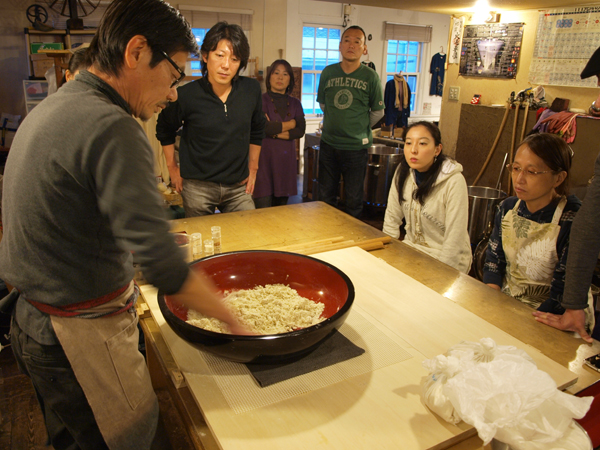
453, 93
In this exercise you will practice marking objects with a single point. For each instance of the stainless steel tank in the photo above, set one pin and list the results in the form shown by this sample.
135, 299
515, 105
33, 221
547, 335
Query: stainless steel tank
483, 202
382, 163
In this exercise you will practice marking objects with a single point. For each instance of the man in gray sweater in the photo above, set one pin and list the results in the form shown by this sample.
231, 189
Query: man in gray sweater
79, 197
584, 246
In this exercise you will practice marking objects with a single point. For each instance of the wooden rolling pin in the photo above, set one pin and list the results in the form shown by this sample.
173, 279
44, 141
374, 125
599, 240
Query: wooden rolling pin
310, 248
293, 247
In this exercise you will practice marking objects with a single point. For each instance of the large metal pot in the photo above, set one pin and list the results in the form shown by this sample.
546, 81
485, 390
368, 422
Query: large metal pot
382, 163
310, 187
483, 202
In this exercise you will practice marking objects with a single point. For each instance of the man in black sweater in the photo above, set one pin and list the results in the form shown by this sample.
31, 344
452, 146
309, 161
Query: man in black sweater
223, 127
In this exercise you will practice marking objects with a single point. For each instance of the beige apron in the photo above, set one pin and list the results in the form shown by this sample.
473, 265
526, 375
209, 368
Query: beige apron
104, 355
530, 250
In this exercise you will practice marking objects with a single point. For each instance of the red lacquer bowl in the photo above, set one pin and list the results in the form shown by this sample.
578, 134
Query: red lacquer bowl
313, 279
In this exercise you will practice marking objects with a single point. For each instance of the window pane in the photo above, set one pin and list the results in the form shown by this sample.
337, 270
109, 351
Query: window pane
318, 81
411, 65
195, 65
413, 48
391, 63
411, 80
401, 63
308, 59
308, 83
402, 46
308, 37
200, 34
334, 38
333, 57
307, 104
321, 38
392, 46
318, 109
389, 77
320, 59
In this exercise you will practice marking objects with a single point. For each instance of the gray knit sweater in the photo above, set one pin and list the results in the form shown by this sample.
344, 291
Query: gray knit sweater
584, 247
79, 197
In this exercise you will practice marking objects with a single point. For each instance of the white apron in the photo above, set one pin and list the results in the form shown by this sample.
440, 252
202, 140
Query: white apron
530, 250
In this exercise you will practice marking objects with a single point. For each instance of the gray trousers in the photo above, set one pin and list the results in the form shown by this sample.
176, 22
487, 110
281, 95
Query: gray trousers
202, 197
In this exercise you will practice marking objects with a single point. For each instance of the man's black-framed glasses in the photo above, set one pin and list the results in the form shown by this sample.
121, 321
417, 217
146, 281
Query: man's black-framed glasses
181, 72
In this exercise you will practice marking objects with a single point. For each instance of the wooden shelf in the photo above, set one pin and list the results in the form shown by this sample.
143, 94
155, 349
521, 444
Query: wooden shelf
61, 36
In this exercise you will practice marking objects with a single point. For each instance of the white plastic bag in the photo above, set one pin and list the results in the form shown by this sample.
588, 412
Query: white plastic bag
510, 399
441, 368
484, 351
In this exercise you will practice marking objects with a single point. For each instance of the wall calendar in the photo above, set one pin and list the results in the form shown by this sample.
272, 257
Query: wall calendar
565, 40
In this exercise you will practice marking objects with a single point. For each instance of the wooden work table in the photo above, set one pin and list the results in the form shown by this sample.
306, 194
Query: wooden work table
274, 228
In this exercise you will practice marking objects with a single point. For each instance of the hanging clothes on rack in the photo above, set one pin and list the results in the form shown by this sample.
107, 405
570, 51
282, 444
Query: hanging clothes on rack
438, 63
369, 64
397, 101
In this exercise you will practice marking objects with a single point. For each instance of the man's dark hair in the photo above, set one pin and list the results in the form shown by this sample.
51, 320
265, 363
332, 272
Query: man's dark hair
163, 26
288, 69
432, 173
234, 34
355, 27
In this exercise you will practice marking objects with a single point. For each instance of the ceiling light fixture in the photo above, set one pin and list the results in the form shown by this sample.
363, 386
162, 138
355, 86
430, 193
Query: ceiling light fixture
493, 17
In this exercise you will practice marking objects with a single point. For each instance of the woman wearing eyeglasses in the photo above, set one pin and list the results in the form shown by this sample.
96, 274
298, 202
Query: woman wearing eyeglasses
527, 251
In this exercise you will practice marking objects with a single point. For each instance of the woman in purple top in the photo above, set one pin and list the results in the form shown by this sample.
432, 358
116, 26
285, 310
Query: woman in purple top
277, 167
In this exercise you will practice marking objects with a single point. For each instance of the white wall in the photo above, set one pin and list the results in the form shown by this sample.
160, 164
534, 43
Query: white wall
371, 19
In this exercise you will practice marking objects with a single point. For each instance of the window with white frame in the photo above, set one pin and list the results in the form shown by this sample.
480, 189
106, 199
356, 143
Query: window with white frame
404, 51
195, 64
405, 57
320, 48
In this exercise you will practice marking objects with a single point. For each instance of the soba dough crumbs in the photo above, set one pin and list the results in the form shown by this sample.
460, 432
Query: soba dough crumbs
269, 309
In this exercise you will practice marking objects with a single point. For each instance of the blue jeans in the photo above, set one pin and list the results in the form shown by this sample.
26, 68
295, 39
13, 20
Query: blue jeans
352, 164
203, 197
68, 416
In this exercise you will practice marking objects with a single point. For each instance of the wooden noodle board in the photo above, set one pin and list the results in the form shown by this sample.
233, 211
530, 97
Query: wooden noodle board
382, 409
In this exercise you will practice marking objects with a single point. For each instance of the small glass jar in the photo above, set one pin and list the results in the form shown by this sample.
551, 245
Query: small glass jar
216, 237
196, 246
209, 248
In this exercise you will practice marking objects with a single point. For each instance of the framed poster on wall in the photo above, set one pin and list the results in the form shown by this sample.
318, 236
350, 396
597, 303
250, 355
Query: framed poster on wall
491, 50
565, 40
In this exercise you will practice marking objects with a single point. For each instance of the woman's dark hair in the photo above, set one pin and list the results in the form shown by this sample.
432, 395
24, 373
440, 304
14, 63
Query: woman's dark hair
79, 60
163, 26
288, 69
555, 153
234, 34
431, 175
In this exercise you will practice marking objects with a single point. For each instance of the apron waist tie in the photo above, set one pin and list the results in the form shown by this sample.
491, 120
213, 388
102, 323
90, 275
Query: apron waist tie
85, 309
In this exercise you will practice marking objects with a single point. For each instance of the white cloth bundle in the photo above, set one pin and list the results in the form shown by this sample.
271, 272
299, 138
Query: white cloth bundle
500, 391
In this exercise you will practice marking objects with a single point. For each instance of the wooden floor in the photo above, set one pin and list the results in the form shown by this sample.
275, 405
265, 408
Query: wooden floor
22, 424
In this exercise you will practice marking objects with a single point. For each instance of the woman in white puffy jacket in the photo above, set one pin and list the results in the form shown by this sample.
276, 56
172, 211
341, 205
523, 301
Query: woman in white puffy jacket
430, 193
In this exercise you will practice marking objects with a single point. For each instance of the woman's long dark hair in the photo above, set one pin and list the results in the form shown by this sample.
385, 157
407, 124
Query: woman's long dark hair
431, 175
